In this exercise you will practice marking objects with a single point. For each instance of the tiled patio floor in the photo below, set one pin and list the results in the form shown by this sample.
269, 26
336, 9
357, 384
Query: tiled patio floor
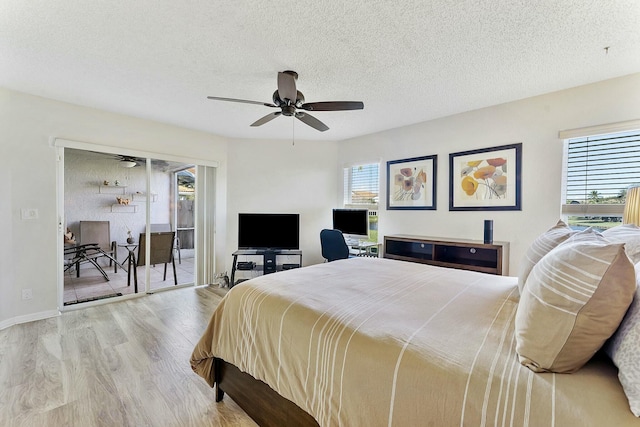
91, 284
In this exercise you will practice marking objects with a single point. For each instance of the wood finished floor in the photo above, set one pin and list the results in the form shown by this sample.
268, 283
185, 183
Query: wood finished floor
119, 364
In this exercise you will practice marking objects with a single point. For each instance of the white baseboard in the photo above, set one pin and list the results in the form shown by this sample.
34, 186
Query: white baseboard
28, 318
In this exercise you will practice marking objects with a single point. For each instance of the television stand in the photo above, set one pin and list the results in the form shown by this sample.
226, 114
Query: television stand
264, 261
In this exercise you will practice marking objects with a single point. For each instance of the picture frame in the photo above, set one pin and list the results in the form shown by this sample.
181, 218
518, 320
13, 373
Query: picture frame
487, 179
411, 183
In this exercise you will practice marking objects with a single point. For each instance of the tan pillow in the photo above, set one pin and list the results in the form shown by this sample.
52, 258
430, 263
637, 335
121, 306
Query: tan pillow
541, 246
629, 234
573, 301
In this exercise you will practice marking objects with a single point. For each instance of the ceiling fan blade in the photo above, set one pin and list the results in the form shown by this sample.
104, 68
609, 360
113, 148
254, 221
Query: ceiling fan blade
266, 119
287, 86
244, 101
311, 121
333, 106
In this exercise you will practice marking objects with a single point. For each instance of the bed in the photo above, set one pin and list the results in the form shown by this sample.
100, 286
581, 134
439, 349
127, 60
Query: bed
379, 342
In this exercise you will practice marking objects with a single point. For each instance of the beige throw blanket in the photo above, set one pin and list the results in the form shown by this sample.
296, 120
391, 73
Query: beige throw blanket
377, 342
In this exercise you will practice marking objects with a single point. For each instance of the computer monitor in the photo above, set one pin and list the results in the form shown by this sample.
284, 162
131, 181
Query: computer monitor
353, 223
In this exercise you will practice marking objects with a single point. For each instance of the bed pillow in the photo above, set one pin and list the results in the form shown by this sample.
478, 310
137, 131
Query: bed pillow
573, 301
540, 247
629, 234
624, 350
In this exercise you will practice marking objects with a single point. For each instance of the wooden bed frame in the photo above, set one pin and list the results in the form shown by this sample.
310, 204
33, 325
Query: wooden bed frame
265, 406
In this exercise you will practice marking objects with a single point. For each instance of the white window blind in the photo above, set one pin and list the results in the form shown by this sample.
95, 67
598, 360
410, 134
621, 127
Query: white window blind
599, 169
362, 185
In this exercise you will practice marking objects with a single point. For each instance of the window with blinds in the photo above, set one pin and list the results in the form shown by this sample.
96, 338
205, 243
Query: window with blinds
599, 169
362, 185
362, 191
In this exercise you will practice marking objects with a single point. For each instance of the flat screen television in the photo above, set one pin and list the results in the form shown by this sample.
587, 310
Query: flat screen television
354, 223
268, 231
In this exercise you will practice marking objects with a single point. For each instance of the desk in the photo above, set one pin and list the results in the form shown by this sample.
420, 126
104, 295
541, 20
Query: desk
369, 249
88, 252
131, 264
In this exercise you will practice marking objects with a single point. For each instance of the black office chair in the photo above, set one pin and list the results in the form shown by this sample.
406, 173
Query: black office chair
333, 245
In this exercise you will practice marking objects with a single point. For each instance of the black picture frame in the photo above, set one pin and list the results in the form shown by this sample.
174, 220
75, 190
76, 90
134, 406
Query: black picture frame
486, 179
411, 183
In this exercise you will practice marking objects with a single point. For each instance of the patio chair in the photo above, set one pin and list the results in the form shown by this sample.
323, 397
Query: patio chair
155, 228
99, 233
161, 252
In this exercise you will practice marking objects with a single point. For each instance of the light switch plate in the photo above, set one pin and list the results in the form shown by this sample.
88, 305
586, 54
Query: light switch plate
29, 213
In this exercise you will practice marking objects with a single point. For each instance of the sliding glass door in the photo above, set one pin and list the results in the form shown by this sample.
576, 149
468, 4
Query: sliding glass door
130, 224
171, 224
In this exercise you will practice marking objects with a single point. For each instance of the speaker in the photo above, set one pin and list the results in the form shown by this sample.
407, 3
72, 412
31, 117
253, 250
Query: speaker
269, 262
488, 231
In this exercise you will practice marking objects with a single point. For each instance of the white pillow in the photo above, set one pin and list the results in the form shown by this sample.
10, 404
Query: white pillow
629, 234
541, 246
624, 350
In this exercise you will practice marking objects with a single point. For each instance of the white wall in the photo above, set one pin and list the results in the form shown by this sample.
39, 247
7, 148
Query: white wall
29, 171
535, 122
280, 177
277, 176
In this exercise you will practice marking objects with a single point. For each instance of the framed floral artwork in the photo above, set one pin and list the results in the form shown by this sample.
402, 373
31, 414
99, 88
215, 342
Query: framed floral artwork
486, 179
412, 183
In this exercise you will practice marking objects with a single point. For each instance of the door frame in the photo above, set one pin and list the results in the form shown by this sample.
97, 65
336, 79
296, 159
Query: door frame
204, 264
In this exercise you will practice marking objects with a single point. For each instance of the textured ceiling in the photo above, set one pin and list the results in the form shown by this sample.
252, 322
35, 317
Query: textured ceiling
408, 61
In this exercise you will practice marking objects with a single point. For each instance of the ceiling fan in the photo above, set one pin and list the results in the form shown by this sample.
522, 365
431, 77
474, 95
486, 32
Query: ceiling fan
128, 161
125, 161
289, 99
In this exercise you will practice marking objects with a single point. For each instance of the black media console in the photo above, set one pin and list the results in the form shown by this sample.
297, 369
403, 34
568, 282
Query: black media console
264, 261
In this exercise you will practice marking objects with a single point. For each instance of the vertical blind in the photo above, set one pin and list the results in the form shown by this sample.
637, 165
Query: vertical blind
362, 184
599, 169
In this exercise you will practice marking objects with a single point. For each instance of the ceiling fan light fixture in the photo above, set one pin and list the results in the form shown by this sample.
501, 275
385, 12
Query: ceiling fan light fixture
127, 163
